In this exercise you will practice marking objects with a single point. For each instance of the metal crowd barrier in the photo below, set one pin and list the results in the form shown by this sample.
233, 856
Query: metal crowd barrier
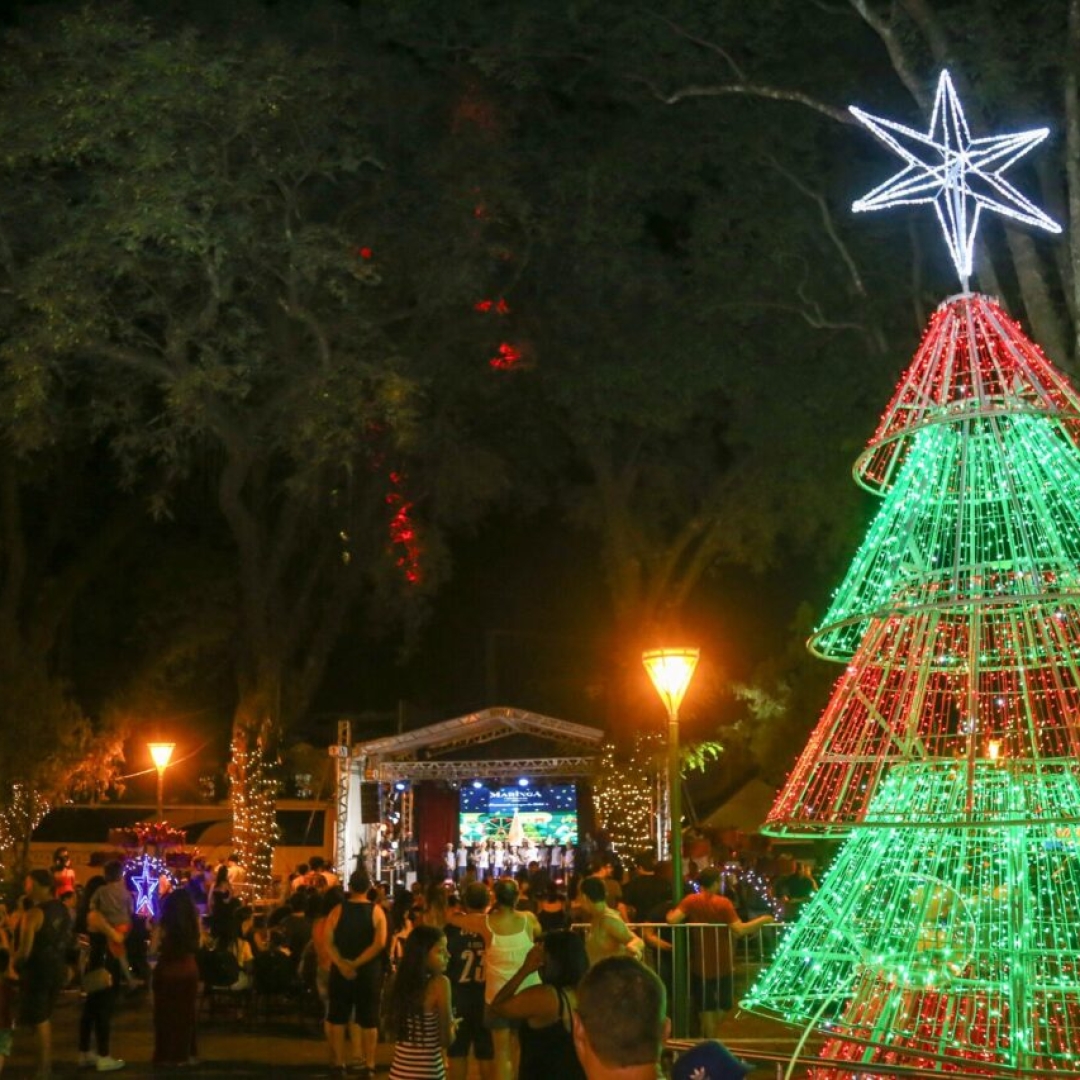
709, 946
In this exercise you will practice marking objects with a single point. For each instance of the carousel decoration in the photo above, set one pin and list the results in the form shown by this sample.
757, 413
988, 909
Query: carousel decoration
153, 852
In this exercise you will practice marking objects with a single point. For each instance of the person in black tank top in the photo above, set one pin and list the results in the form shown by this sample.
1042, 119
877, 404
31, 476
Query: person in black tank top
551, 911
355, 939
45, 935
546, 1036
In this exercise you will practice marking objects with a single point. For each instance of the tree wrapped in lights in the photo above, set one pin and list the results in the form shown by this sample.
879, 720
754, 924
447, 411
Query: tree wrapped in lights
944, 938
253, 789
627, 789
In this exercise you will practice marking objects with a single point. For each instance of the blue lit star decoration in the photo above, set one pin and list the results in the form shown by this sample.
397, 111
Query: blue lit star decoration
145, 876
959, 175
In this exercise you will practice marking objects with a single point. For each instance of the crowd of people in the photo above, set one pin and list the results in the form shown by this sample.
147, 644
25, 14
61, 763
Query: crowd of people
470, 967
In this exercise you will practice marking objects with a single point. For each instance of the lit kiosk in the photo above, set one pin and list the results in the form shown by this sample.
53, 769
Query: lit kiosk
671, 671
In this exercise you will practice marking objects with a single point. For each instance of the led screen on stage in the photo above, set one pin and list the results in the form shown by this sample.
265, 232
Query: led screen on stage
516, 814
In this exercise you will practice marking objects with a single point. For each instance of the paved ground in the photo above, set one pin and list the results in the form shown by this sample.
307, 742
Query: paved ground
282, 1045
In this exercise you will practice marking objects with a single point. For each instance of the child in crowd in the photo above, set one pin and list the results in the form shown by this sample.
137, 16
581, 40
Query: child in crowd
418, 1007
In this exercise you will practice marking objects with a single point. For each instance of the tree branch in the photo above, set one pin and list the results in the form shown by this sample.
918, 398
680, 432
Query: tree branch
826, 219
894, 46
812, 315
712, 46
745, 89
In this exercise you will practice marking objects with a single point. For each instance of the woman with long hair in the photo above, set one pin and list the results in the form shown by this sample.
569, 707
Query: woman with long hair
101, 989
551, 912
508, 936
221, 892
418, 1008
545, 1011
176, 981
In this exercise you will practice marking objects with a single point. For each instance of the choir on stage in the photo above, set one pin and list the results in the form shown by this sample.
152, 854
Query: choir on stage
490, 859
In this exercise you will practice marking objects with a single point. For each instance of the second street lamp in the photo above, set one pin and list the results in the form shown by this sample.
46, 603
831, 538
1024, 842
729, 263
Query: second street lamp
671, 671
161, 752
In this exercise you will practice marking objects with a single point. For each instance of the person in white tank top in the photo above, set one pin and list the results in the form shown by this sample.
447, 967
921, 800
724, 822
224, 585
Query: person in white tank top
508, 937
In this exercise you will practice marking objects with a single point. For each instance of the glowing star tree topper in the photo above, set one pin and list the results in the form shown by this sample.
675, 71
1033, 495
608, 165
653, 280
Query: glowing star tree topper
959, 175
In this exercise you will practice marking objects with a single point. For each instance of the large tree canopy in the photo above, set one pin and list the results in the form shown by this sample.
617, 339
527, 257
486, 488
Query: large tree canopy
320, 283
212, 229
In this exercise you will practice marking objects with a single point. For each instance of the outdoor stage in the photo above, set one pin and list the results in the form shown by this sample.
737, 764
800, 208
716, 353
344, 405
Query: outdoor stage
404, 798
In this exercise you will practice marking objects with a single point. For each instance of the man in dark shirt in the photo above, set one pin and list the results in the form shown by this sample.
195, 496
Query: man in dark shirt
466, 975
44, 936
645, 890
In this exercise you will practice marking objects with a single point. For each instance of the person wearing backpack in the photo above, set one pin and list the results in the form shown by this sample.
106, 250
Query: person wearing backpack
45, 935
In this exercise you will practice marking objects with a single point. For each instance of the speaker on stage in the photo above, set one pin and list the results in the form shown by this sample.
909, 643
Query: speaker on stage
370, 799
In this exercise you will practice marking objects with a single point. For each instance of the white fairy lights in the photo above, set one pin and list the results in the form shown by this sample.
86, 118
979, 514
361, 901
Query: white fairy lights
960, 176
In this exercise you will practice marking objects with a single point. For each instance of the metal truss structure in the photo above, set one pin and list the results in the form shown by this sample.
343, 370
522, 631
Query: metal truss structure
477, 728
341, 791
508, 769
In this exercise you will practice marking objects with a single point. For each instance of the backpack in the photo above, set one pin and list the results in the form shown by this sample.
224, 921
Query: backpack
218, 967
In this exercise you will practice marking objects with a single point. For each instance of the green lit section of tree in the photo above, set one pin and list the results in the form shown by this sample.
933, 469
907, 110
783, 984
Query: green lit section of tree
985, 509
946, 944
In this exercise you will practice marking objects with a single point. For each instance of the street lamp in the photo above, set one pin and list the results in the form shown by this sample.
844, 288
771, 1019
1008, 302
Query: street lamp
161, 752
671, 671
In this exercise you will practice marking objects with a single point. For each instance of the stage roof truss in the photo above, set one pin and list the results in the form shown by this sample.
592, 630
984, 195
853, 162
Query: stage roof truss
507, 769
481, 727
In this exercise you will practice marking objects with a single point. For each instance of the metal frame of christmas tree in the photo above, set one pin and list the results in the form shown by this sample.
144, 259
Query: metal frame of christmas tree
946, 936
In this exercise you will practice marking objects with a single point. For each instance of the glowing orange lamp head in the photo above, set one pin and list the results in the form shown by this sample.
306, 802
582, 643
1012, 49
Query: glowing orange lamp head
161, 752
671, 671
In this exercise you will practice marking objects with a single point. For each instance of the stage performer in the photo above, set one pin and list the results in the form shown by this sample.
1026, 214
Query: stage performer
498, 860
556, 859
450, 859
462, 860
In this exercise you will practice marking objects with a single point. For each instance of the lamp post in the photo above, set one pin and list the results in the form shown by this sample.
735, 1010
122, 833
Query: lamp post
671, 671
161, 752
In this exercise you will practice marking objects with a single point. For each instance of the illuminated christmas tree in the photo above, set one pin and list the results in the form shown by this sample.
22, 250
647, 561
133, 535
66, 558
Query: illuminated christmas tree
945, 937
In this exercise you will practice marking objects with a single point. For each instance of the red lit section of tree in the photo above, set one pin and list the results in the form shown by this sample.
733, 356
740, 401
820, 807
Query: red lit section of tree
509, 356
404, 537
972, 357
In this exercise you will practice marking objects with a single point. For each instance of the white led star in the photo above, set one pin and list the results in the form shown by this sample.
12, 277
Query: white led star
958, 174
